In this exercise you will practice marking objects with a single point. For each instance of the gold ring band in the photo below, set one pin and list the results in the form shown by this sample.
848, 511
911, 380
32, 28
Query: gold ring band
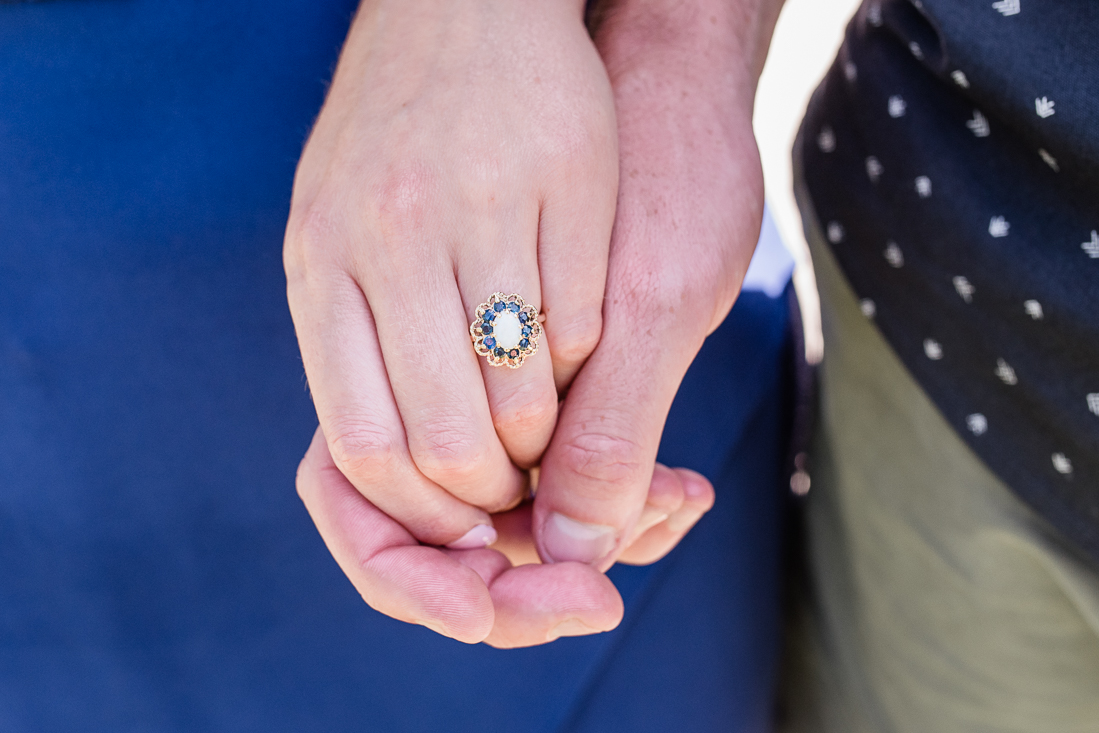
506, 330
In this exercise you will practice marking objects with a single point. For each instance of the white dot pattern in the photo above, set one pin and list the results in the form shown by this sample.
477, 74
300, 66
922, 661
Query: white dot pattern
874, 169
977, 423
964, 287
893, 255
970, 231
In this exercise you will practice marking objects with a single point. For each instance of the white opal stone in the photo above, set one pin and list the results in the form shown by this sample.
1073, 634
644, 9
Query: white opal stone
507, 330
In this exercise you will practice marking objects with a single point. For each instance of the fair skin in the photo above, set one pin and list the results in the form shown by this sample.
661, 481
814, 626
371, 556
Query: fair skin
482, 145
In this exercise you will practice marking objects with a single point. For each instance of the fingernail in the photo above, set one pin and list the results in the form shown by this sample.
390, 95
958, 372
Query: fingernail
565, 539
480, 536
570, 627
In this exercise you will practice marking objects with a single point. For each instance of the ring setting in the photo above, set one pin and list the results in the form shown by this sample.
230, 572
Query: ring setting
506, 330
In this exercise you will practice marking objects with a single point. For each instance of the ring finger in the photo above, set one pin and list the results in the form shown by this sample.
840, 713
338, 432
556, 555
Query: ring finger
522, 400
424, 338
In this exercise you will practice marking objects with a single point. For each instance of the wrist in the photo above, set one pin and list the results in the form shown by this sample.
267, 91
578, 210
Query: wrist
712, 46
422, 11
684, 76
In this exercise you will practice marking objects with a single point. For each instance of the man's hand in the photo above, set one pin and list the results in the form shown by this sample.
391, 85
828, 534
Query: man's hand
690, 203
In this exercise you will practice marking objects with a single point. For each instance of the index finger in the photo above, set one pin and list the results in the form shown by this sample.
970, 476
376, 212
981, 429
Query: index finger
356, 409
394, 573
598, 468
468, 595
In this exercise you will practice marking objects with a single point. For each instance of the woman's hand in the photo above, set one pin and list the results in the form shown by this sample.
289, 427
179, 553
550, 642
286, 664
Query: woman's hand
466, 147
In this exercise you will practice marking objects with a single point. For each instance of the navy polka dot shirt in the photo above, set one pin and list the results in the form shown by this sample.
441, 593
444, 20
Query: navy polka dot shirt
952, 155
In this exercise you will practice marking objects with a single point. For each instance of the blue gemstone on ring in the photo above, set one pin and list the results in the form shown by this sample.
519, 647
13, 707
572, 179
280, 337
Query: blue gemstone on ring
513, 307
523, 317
499, 351
526, 330
488, 317
498, 306
490, 343
513, 353
523, 343
486, 329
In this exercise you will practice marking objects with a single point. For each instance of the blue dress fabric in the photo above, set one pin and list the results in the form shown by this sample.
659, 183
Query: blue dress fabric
157, 570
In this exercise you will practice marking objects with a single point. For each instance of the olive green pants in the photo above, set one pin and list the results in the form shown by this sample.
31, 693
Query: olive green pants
934, 600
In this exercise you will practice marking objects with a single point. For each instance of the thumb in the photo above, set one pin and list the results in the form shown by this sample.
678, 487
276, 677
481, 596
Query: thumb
596, 472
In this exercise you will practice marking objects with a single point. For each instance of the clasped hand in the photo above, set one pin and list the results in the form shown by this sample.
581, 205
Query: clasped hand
470, 147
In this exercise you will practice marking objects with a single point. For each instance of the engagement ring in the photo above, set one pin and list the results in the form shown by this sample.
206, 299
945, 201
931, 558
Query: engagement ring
506, 330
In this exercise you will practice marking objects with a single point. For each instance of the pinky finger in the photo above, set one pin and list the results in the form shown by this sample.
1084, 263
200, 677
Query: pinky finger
661, 537
391, 570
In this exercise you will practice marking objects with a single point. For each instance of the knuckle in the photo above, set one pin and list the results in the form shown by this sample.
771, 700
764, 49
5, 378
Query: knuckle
448, 451
571, 147
574, 340
312, 238
301, 482
362, 451
489, 186
654, 288
432, 527
605, 460
532, 406
655, 293
399, 202
577, 142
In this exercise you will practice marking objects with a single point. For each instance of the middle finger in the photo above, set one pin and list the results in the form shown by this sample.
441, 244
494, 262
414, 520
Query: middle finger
436, 383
